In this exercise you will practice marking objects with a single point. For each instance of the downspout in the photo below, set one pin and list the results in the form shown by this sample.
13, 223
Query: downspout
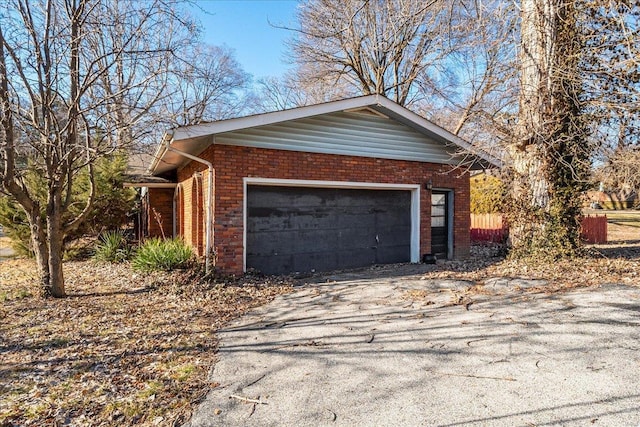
174, 207
208, 229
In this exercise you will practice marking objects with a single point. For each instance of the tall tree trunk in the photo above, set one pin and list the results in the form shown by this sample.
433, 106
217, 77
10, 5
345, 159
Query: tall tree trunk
56, 276
55, 238
40, 248
548, 157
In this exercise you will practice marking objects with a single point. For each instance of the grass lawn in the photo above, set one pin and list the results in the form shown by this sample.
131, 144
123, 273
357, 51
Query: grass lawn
629, 218
626, 218
122, 349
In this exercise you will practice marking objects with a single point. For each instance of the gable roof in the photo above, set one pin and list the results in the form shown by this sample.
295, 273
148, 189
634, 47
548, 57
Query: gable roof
196, 138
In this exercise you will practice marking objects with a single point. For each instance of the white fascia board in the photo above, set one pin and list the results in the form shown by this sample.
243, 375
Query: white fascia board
167, 138
230, 125
276, 182
150, 184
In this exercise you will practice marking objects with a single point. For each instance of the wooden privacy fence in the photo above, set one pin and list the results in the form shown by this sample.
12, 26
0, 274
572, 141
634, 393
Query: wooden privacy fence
488, 228
594, 229
492, 228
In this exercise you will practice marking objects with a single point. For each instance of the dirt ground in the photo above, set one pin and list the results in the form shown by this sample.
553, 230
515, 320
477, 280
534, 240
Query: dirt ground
131, 349
5, 248
122, 349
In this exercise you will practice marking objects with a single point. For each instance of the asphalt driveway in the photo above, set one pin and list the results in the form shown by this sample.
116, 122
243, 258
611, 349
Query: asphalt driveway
390, 348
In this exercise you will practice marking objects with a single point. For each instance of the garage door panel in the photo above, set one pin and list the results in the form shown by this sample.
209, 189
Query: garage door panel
310, 241
392, 254
361, 218
314, 261
294, 219
289, 242
271, 197
266, 263
303, 229
393, 236
393, 217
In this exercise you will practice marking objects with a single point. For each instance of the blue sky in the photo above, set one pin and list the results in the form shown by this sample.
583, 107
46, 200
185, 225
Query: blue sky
244, 26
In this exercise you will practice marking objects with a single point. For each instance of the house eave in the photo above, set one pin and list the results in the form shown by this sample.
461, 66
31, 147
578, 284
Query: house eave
148, 181
195, 139
149, 185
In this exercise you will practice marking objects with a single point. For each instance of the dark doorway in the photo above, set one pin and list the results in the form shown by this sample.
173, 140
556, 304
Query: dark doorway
440, 224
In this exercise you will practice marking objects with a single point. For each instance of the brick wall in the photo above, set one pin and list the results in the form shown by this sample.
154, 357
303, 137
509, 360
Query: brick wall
233, 163
160, 212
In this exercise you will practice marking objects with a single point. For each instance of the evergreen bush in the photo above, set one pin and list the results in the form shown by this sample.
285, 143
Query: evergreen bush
162, 255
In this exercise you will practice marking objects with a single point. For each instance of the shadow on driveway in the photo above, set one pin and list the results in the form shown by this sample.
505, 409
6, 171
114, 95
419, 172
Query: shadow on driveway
360, 349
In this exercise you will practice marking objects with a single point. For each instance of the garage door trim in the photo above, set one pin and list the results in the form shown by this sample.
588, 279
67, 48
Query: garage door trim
415, 203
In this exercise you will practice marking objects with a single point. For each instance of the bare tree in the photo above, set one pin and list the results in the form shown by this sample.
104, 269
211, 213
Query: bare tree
275, 94
67, 69
452, 62
579, 79
135, 81
610, 67
483, 65
382, 46
620, 173
298, 88
205, 83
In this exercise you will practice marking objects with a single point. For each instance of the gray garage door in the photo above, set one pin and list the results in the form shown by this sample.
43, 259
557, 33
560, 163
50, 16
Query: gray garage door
300, 229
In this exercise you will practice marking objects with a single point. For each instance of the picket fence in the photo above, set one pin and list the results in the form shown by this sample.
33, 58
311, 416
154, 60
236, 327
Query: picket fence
493, 228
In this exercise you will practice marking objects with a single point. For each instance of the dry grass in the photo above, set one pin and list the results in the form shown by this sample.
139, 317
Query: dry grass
615, 262
617, 233
130, 349
625, 218
122, 349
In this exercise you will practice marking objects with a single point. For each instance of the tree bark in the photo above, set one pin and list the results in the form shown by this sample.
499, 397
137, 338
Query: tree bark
548, 156
55, 242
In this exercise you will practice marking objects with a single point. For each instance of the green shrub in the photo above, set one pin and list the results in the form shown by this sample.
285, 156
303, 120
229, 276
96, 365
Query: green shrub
487, 194
113, 247
109, 211
164, 255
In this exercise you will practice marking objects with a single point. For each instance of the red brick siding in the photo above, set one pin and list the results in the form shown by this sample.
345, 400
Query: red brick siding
191, 220
233, 163
185, 214
160, 212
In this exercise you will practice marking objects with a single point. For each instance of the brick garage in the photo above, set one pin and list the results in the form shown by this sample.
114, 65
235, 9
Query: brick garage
365, 145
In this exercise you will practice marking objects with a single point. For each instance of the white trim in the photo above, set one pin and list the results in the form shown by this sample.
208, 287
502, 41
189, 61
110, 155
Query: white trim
149, 184
275, 182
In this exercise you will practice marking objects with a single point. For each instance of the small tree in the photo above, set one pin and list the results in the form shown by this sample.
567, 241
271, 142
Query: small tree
60, 111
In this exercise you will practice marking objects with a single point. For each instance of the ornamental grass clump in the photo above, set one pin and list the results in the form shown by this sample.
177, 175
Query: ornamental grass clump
113, 247
162, 255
